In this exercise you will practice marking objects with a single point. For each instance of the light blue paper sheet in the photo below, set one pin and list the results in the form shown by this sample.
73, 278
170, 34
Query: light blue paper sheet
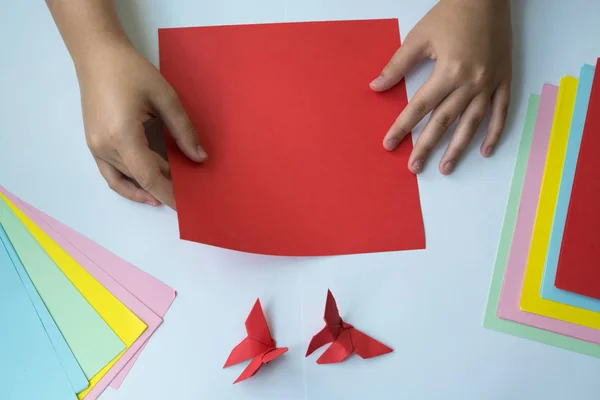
68, 361
548, 290
29, 366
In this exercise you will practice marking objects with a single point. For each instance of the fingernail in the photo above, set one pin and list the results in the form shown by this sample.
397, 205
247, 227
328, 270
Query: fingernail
488, 151
391, 144
152, 203
417, 166
449, 167
377, 80
201, 152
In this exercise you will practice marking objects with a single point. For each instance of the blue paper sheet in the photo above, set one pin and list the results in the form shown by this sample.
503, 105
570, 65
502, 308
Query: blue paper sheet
68, 361
548, 290
29, 366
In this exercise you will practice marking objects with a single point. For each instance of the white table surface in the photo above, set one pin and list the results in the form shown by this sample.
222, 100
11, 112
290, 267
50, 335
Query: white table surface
428, 305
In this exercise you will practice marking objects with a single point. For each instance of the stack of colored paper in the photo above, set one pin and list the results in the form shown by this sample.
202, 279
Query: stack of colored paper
75, 317
546, 282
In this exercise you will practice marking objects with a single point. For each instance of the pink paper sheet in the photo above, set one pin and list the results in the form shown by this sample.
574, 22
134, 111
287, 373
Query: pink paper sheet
146, 296
508, 307
149, 290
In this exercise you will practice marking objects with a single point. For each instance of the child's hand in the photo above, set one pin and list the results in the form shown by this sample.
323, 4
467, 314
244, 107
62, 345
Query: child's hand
120, 91
471, 43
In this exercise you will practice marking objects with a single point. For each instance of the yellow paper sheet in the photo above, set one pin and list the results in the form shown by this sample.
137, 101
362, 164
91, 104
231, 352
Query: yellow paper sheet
121, 320
531, 300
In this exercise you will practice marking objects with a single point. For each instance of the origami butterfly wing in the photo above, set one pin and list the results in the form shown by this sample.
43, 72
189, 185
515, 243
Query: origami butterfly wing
246, 350
258, 362
339, 350
332, 314
333, 324
367, 347
256, 325
273, 354
250, 370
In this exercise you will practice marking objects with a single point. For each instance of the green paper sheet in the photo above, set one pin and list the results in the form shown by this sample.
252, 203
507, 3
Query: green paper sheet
491, 320
91, 340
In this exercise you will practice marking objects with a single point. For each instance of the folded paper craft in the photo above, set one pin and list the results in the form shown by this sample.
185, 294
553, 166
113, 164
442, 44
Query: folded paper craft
69, 363
258, 345
29, 366
293, 133
578, 269
514, 245
100, 382
89, 337
549, 291
344, 337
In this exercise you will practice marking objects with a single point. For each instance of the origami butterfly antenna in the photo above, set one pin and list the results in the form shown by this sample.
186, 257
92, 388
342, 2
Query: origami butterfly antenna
258, 341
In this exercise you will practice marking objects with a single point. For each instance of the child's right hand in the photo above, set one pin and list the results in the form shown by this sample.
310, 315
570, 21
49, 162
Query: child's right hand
120, 91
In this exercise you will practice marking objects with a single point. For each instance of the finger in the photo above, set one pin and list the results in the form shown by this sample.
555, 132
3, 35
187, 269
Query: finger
163, 164
429, 96
500, 102
117, 182
145, 168
179, 125
405, 58
467, 128
442, 117
117, 163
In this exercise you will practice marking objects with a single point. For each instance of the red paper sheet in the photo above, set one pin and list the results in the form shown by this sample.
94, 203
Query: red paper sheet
579, 261
294, 136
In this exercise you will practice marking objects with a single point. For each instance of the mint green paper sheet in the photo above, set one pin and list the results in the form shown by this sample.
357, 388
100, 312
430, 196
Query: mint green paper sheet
491, 320
91, 340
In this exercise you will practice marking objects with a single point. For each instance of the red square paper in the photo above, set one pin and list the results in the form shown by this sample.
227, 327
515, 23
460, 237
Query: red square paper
293, 133
579, 260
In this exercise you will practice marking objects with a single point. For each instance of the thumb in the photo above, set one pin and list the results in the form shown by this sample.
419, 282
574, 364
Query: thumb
407, 56
180, 126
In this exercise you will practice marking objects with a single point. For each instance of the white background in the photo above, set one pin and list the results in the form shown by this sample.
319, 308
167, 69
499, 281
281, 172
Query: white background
428, 305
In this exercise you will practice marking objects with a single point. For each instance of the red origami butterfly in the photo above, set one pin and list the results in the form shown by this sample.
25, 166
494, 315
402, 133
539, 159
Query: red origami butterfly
259, 345
346, 339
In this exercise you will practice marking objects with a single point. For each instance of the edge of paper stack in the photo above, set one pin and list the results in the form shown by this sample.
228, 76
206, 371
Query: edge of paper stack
77, 317
538, 291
